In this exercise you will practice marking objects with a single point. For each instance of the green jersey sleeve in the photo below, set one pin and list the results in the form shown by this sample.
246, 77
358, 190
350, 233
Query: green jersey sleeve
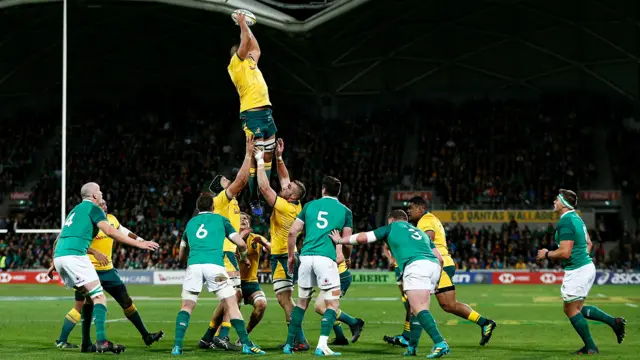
228, 228
302, 213
432, 245
348, 221
566, 232
96, 214
381, 233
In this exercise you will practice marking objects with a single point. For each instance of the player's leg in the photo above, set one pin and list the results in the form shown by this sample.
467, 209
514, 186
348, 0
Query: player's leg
221, 339
326, 274
218, 282
419, 280
191, 288
306, 283
575, 288
283, 287
87, 318
446, 295
114, 286
355, 324
253, 295
403, 339
79, 273
206, 342
70, 321
218, 319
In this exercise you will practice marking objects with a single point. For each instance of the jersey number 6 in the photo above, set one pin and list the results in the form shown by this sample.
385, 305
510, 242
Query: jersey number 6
202, 232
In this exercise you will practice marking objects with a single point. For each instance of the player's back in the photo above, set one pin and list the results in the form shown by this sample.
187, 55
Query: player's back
321, 217
248, 80
283, 215
104, 244
79, 229
430, 222
571, 227
205, 236
408, 243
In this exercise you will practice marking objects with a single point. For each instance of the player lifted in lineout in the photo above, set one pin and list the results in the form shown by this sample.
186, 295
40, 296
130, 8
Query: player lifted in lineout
100, 253
202, 244
420, 263
446, 291
74, 266
318, 261
574, 246
251, 291
286, 206
225, 188
255, 106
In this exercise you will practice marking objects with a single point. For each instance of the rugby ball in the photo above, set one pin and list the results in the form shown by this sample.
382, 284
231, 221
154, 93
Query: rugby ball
251, 19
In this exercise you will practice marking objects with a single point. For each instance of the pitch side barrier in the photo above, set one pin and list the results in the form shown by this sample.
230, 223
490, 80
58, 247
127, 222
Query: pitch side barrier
368, 277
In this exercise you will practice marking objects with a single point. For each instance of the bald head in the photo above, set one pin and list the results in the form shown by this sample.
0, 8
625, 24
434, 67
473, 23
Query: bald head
91, 191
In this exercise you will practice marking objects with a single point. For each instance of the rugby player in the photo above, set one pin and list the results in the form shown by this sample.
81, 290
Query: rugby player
574, 246
251, 291
343, 252
74, 266
255, 107
286, 206
420, 263
202, 244
112, 284
446, 291
318, 261
226, 188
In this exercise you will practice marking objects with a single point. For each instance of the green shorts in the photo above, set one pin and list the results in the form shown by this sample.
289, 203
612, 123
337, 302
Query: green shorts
280, 273
446, 279
345, 282
111, 283
248, 289
258, 123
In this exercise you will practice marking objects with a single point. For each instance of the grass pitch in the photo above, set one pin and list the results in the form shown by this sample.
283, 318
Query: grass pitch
531, 324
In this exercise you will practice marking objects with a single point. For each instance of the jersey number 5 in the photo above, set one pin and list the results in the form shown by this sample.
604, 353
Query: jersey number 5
202, 232
69, 220
322, 222
415, 235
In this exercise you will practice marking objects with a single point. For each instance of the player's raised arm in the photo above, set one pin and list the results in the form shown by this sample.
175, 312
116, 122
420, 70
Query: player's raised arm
263, 182
283, 173
127, 232
119, 237
242, 178
589, 243
235, 238
246, 38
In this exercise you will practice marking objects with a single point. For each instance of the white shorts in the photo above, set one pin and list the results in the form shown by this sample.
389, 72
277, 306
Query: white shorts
214, 276
76, 271
421, 275
318, 271
577, 283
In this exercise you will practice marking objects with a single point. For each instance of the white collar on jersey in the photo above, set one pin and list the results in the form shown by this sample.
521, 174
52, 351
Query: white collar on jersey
570, 211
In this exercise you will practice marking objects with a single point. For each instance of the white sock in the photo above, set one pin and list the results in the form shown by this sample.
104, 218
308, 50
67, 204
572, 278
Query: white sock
322, 342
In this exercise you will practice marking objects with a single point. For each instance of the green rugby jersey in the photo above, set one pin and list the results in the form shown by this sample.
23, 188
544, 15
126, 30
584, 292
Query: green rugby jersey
204, 235
320, 218
79, 229
407, 243
571, 227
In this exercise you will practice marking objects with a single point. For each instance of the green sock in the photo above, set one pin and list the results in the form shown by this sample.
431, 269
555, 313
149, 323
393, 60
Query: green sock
238, 325
182, 323
70, 321
224, 331
208, 336
100, 312
338, 330
87, 317
328, 319
253, 181
482, 321
416, 332
593, 313
295, 325
582, 328
428, 323
346, 318
134, 316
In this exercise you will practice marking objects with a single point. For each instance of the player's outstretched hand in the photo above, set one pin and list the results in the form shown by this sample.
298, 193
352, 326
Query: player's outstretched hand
541, 254
257, 153
50, 271
279, 147
335, 236
101, 258
250, 144
244, 233
240, 17
291, 265
247, 262
149, 245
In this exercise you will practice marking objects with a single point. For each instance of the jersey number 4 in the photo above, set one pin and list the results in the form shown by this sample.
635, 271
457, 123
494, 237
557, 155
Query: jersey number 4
69, 220
322, 221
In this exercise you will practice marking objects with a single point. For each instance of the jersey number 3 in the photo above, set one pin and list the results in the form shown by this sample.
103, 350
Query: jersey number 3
322, 221
415, 235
